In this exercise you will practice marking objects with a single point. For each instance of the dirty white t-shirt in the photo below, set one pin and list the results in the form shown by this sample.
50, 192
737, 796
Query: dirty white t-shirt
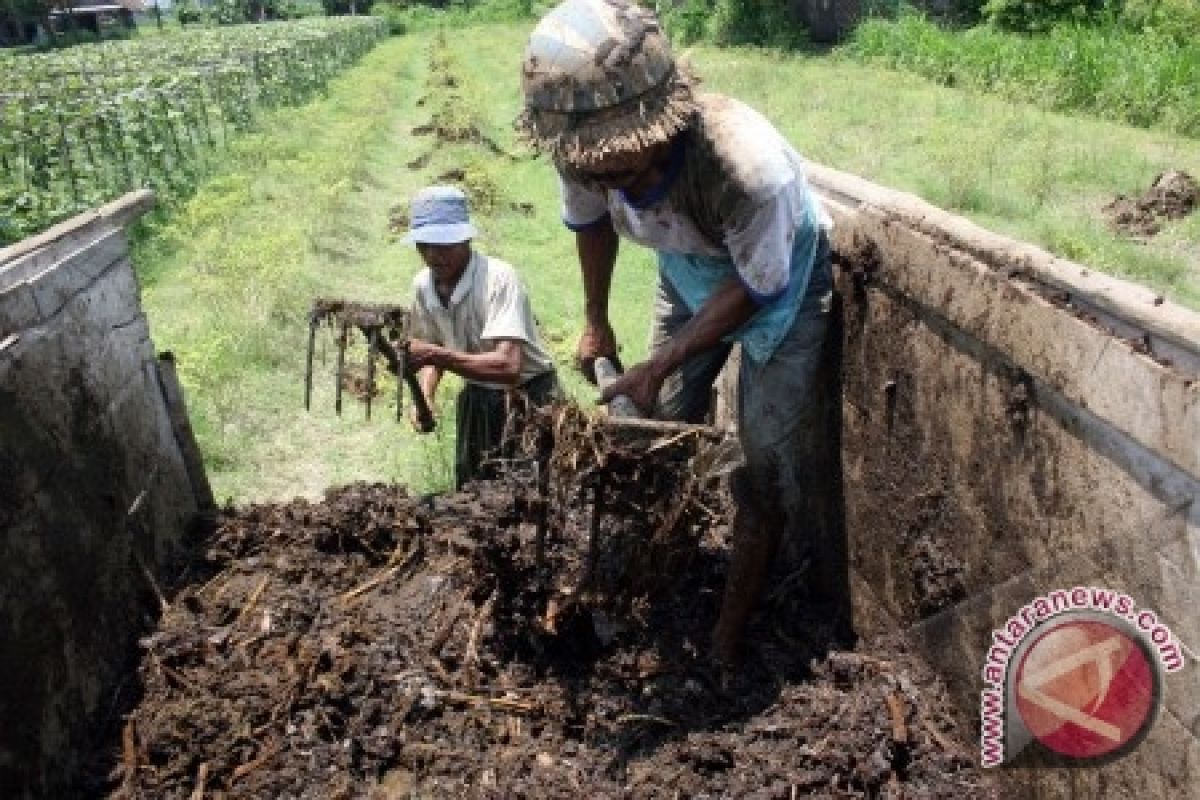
734, 189
488, 305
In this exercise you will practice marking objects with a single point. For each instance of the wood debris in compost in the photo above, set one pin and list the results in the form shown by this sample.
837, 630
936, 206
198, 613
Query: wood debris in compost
376, 645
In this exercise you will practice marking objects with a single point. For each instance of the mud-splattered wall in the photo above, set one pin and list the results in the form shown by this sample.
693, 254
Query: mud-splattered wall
1015, 424
95, 490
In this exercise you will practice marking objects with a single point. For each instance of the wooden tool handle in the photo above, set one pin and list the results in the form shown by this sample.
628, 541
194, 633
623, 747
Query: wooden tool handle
620, 406
424, 415
425, 419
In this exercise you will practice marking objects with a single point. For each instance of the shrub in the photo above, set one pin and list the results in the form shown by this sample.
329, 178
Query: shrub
687, 20
189, 12
229, 12
339, 8
396, 17
1178, 20
733, 22
1039, 16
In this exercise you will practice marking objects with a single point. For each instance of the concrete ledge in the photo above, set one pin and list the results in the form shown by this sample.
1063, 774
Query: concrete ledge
1134, 305
51, 244
947, 266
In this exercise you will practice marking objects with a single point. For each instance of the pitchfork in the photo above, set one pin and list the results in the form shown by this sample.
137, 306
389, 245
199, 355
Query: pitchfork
380, 325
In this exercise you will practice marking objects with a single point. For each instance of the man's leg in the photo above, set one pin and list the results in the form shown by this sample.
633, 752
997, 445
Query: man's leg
782, 423
686, 396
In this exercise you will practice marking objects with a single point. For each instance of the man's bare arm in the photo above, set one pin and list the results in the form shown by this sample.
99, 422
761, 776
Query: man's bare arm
430, 378
502, 365
728, 308
597, 247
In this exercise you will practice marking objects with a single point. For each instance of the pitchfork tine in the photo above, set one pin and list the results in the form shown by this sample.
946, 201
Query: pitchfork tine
401, 369
343, 340
372, 338
314, 322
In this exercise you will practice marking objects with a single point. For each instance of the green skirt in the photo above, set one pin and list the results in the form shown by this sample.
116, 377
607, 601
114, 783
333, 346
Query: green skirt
481, 414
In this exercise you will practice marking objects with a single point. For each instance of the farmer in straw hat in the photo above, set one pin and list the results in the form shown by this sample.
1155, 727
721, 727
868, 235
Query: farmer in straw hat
471, 316
743, 257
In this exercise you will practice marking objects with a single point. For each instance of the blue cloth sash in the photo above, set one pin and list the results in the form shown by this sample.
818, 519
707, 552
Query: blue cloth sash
696, 278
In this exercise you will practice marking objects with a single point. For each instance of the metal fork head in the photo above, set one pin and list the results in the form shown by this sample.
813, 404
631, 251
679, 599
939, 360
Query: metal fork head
374, 320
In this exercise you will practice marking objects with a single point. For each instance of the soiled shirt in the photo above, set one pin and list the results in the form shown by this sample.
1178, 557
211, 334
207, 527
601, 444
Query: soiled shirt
488, 305
734, 190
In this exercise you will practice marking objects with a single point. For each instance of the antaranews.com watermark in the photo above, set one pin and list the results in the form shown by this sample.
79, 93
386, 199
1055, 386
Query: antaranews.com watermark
1078, 670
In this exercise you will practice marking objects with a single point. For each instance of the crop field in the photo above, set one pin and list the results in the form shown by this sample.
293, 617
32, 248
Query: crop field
80, 126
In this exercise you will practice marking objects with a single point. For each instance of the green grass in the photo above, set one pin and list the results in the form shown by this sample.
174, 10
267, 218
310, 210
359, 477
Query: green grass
301, 211
1013, 168
302, 208
1144, 78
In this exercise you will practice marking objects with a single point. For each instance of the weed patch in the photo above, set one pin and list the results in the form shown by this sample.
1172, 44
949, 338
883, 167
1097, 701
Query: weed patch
1141, 77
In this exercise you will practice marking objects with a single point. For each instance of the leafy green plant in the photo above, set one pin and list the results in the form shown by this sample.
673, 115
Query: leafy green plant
230, 12
395, 16
335, 8
1024, 16
1144, 78
731, 22
1177, 20
80, 126
189, 12
687, 20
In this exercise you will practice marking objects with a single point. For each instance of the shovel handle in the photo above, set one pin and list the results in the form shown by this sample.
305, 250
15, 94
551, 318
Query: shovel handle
620, 406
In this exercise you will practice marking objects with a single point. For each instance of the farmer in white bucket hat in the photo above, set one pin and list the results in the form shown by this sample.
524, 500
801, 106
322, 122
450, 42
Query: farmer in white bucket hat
471, 316
743, 257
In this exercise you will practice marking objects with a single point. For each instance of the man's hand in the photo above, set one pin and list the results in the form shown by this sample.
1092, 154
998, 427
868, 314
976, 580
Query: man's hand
640, 384
596, 341
423, 354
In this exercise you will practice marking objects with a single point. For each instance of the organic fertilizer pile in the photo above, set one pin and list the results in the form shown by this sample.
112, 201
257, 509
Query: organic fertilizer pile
1173, 195
499, 643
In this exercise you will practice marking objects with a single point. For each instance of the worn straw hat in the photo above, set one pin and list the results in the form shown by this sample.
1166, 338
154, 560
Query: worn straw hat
438, 215
599, 78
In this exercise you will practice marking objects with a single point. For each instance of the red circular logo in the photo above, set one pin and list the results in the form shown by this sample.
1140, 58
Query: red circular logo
1085, 689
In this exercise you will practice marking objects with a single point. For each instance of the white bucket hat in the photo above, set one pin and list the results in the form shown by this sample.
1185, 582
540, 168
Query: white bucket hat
438, 215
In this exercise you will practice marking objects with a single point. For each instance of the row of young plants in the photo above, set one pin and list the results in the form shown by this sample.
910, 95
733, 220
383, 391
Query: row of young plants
79, 127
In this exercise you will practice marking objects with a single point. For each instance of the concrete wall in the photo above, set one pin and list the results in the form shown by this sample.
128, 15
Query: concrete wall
1014, 424
95, 494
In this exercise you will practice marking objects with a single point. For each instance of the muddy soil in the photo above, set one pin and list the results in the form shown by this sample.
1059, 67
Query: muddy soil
1173, 195
384, 646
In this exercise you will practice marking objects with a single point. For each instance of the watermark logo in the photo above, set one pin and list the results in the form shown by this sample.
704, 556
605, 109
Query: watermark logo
1086, 689
1078, 671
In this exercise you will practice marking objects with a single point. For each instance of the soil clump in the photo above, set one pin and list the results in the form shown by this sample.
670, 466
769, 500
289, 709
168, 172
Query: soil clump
1173, 195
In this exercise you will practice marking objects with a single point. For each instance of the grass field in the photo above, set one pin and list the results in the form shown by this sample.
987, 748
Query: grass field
1143, 75
303, 207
